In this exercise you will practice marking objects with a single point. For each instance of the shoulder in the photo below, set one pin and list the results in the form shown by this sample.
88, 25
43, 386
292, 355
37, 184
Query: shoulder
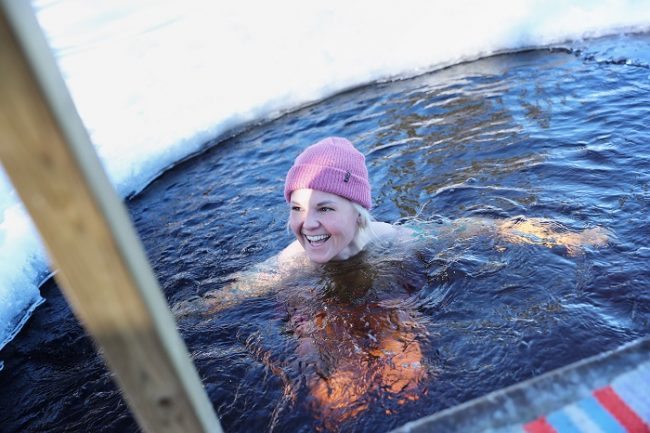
289, 255
399, 233
382, 230
385, 232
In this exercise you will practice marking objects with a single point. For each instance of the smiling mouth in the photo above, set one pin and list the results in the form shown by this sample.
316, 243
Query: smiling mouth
317, 239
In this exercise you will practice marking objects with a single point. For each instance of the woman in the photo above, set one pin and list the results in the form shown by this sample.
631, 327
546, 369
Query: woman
357, 342
329, 198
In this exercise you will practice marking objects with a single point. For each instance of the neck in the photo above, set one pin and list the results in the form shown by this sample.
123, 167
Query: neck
359, 242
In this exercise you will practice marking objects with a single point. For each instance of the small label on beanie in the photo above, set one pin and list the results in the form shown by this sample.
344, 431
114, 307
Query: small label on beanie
346, 179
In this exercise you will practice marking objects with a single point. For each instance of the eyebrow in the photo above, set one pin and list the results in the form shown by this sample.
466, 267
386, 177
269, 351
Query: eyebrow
322, 203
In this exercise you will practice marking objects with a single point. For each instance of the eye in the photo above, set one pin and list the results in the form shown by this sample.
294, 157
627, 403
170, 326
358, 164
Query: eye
295, 208
325, 209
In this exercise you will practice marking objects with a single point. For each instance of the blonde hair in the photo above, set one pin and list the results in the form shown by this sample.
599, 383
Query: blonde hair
365, 228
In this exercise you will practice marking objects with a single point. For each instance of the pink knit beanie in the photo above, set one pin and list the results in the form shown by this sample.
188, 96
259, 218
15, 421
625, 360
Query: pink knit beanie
332, 165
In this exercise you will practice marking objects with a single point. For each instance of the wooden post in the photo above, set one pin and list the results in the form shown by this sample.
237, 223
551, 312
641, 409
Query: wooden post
102, 267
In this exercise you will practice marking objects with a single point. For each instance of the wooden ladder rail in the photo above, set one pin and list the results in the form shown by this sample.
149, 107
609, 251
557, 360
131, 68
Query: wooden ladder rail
102, 268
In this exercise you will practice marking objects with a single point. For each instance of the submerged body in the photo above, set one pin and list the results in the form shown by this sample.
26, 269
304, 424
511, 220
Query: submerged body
359, 333
357, 338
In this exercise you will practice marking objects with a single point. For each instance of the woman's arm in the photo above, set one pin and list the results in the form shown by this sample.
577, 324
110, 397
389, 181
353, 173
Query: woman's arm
251, 283
520, 230
548, 233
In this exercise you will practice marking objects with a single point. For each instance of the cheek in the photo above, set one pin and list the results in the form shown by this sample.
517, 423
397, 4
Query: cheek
352, 231
294, 223
344, 228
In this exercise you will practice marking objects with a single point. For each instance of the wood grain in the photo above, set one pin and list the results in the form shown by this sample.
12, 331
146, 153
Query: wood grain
100, 262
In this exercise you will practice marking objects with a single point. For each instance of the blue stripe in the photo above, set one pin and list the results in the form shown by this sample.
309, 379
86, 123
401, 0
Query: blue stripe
600, 416
561, 422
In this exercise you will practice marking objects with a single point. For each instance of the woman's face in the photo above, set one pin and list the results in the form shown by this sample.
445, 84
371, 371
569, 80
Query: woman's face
325, 225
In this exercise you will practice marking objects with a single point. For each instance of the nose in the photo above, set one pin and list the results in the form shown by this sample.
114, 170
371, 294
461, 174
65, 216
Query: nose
311, 220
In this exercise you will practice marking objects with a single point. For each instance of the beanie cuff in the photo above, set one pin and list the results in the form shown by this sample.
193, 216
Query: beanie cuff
328, 179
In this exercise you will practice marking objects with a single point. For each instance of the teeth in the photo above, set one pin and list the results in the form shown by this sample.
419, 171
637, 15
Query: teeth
317, 238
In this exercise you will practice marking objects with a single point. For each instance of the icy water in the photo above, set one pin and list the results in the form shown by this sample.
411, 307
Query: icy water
392, 335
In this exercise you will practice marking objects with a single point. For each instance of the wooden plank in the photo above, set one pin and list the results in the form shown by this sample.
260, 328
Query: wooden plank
102, 267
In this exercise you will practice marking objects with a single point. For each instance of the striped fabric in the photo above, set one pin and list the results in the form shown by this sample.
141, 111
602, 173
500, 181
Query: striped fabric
621, 407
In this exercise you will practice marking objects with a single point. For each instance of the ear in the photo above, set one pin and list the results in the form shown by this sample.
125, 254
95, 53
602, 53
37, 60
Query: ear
358, 219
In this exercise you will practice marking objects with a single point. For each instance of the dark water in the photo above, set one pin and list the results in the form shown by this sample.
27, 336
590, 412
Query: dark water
554, 134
